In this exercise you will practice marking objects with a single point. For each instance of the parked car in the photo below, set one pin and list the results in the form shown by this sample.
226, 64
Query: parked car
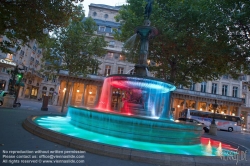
205, 128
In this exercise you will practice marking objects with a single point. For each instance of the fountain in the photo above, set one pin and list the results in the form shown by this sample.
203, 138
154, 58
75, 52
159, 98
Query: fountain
137, 107
133, 113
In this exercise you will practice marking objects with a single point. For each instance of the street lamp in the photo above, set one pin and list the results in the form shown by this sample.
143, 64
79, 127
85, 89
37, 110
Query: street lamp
215, 105
10, 99
213, 127
17, 72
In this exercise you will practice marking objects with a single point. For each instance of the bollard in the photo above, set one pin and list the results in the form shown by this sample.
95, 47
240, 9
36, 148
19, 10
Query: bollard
45, 103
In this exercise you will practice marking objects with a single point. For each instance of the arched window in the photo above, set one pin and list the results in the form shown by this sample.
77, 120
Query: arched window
44, 88
51, 89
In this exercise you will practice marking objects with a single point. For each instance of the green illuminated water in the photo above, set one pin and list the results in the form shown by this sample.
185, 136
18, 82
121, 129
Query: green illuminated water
62, 125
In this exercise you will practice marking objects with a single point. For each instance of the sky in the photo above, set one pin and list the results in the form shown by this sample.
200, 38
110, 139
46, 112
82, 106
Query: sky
86, 3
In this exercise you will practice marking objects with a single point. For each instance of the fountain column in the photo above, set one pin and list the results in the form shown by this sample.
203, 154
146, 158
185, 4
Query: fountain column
145, 33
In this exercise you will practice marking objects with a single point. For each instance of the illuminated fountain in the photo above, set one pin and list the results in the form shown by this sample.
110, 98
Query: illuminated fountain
137, 107
133, 113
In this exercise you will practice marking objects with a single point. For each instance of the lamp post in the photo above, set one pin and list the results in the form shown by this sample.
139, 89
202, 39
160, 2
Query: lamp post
9, 100
213, 127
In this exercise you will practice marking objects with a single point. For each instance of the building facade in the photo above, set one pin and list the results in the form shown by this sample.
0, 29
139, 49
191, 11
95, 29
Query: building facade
28, 58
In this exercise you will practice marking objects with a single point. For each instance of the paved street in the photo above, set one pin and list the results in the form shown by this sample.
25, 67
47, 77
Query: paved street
14, 137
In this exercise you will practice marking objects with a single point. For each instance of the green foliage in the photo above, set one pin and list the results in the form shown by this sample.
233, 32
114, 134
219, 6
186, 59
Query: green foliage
73, 48
194, 43
27, 19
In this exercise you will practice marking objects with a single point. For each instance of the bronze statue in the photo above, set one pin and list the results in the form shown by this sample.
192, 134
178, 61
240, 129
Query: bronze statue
148, 9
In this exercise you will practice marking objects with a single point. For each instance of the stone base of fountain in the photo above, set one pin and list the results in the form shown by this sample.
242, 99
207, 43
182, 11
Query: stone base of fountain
137, 128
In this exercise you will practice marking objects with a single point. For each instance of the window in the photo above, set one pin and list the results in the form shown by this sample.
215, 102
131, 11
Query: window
121, 58
132, 72
94, 14
4, 70
107, 70
203, 86
180, 86
34, 48
101, 28
106, 16
225, 77
34, 92
244, 77
110, 55
214, 88
112, 44
46, 78
120, 70
53, 78
235, 91
9, 56
224, 90
244, 98
44, 88
192, 86
39, 51
21, 52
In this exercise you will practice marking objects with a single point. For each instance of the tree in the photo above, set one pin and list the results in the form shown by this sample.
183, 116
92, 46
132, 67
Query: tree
193, 44
237, 23
73, 48
22, 20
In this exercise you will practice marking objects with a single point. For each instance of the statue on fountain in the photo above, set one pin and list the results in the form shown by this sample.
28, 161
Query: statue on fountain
148, 9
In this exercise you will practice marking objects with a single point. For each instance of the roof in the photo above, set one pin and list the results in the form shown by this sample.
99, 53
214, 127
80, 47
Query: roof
107, 23
116, 8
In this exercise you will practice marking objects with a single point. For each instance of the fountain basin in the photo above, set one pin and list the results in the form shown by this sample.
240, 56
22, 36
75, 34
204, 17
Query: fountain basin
58, 129
134, 127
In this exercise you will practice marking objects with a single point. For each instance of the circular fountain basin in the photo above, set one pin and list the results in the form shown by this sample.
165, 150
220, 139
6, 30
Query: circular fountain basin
57, 128
134, 127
